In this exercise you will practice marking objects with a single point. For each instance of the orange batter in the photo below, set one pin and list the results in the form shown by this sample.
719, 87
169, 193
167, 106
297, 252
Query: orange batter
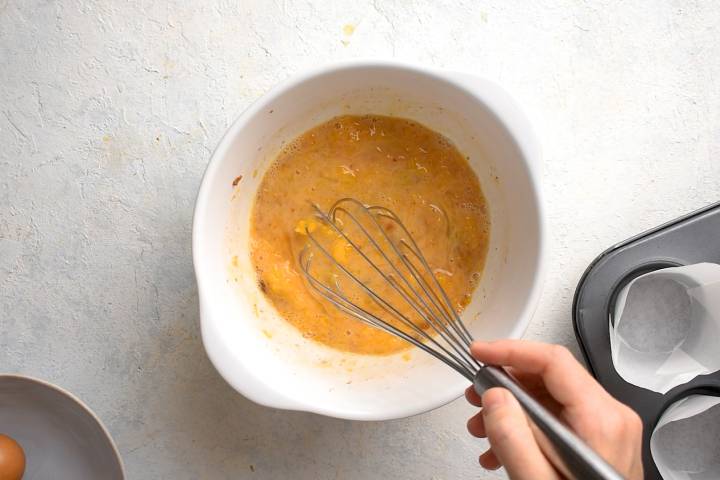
387, 161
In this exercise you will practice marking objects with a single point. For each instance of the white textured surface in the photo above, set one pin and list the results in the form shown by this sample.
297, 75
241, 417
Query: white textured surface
109, 111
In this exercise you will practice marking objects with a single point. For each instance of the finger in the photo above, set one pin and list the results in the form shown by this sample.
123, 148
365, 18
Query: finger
566, 380
510, 437
528, 380
532, 382
472, 397
489, 461
476, 426
534, 385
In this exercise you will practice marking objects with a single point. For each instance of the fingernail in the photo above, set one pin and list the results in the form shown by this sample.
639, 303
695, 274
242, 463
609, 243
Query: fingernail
493, 398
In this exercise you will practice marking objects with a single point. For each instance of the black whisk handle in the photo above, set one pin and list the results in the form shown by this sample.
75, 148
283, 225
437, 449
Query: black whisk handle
570, 455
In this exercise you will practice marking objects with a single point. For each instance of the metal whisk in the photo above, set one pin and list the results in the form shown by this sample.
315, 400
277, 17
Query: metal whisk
418, 310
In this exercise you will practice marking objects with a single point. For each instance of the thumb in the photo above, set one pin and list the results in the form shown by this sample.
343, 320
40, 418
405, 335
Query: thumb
512, 439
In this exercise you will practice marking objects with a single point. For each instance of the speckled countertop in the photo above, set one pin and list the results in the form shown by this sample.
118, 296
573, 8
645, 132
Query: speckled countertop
109, 111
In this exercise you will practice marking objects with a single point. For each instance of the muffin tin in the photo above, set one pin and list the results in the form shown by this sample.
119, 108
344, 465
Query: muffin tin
693, 238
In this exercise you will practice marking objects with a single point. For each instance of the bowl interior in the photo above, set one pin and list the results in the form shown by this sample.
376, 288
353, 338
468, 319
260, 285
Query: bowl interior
321, 379
61, 438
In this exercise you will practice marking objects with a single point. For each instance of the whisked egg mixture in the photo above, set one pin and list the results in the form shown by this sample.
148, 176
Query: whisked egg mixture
388, 161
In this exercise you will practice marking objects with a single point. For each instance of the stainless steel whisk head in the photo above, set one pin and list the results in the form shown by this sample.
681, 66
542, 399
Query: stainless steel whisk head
386, 282
418, 309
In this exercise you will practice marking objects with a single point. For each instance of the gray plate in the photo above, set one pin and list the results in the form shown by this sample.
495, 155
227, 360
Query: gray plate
62, 438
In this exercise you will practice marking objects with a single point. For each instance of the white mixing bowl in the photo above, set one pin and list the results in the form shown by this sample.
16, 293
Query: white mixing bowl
266, 359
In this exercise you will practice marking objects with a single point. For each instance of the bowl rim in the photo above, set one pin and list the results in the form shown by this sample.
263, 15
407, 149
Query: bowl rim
520, 131
83, 406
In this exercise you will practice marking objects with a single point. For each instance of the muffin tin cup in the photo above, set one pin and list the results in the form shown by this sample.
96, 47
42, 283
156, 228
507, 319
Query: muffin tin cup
693, 420
665, 326
694, 238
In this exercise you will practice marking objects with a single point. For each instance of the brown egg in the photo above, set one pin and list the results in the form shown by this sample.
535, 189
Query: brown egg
12, 459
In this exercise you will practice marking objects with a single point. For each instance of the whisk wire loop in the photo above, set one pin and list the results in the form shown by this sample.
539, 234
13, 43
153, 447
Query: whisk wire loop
433, 312
445, 306
433, 309
335, 296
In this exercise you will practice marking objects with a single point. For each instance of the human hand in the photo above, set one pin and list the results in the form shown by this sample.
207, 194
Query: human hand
556, 379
